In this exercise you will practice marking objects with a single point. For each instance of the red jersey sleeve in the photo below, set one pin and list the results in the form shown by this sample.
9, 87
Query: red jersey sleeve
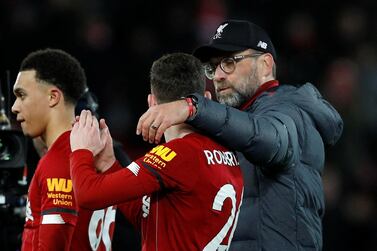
95, 191
131, 210
55, 237
58, 205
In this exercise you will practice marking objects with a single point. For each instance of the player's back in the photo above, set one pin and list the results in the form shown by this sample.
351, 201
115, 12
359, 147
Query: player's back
198, 208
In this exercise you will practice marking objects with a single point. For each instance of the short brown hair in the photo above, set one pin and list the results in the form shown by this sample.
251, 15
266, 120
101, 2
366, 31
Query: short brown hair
176, 75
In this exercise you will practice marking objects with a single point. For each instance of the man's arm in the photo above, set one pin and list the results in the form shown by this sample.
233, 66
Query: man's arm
154, 122
55, 237
59, 210
95, 191
262, 138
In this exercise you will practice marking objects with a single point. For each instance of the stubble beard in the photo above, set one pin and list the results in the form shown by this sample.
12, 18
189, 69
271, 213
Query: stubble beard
241, 91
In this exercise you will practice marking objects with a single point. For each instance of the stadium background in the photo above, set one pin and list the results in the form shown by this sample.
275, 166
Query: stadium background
332, 44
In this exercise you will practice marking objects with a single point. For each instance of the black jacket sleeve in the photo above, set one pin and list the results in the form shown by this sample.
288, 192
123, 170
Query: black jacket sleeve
262, 138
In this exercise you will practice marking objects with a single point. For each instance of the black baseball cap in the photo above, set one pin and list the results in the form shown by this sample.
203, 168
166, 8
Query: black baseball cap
233, 36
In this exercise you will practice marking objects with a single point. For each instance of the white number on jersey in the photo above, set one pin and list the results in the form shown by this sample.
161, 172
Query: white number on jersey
146, 205
101, 218
226, 191
29, 215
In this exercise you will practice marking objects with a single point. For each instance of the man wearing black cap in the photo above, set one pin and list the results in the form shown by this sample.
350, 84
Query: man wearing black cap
279, 131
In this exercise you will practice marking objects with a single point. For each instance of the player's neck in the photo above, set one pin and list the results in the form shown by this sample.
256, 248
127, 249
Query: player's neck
60, 122
178, 131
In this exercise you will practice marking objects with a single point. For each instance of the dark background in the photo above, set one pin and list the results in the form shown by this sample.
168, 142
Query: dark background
332, 44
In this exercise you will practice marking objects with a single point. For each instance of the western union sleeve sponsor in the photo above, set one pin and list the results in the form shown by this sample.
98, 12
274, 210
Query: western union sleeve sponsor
59, 190
60, 199
59, 185
159, 156
154, 161
59, 196
164, 152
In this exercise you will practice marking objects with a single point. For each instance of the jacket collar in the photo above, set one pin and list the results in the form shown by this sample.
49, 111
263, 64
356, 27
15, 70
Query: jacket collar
264, 87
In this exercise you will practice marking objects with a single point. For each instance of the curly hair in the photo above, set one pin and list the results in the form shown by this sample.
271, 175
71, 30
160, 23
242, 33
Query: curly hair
176, 75
57, 67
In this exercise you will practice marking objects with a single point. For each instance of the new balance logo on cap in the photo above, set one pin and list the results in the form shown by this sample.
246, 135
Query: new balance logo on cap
262, 45
219, 31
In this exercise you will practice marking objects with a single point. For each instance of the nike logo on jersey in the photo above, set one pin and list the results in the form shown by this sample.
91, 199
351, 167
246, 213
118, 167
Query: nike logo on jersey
146, 205
221, 158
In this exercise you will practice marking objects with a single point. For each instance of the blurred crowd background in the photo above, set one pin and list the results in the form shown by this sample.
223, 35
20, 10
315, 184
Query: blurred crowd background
332, 44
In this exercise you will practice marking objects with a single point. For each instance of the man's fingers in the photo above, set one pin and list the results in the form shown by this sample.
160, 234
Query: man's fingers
104, 136
89, 119
103, 128
154, 122
105, 132
102, 124
86, 118
153, 129
152, 125
95, 123
161, 129
74, 127
82, 119
140, 122
146, 127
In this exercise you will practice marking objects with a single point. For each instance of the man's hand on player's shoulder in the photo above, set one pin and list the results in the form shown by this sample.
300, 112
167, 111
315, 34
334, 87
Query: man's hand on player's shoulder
86, 134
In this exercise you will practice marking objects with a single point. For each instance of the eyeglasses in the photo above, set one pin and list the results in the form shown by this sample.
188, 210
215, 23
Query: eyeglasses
227, 64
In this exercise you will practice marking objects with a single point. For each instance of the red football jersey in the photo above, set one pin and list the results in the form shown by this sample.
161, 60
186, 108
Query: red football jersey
191, 189
53, 219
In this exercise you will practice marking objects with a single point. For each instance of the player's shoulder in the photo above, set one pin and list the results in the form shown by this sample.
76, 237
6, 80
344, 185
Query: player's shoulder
178, 149
202, 141
56, 156
189, 141
193, 143
60, 147
55, 163
52, 167
63, 140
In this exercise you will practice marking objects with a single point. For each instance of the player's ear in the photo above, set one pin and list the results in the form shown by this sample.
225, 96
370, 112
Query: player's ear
152, 101
208, 94
55, 95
